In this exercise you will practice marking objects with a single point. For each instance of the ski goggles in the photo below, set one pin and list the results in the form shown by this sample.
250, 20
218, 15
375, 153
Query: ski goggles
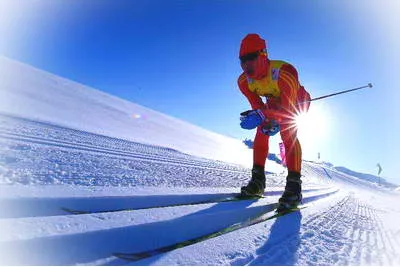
251, 56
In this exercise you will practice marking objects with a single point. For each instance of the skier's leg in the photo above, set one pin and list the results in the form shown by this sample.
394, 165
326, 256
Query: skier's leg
260, 149
256, 186
292, 147
292, 195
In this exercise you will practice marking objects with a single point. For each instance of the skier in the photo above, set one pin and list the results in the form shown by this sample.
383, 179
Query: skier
285, 97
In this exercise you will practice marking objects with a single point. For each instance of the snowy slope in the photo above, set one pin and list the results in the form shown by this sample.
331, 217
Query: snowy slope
31, 93
368, 177
132, 195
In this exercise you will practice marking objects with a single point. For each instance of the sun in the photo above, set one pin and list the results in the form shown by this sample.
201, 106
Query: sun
313, 128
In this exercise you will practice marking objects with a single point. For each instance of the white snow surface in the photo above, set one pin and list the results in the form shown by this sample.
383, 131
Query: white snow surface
35, 94
83, 178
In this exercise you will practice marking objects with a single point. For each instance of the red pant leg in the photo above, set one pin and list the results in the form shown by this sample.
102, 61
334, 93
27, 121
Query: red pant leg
260, 148
292, 147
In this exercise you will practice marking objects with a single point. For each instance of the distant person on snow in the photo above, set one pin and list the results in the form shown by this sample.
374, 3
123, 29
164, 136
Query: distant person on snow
285, 97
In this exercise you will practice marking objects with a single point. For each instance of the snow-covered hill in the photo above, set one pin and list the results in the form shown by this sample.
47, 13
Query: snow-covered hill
75, 189
368, 177
31, 93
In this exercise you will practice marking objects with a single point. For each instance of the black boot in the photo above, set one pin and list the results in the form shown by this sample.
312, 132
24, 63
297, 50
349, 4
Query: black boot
256, 186
292, 195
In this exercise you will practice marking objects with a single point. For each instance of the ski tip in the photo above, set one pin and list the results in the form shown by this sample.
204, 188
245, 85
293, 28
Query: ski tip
370, 85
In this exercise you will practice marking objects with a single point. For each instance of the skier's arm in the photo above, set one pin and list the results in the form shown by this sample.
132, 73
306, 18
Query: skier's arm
254, 99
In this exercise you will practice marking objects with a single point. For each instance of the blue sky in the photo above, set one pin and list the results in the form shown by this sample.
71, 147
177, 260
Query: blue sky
181, 58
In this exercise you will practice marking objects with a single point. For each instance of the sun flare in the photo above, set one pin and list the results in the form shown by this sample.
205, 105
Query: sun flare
313, 127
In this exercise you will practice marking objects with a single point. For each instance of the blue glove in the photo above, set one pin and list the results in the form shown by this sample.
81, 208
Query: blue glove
271, 128
251, 119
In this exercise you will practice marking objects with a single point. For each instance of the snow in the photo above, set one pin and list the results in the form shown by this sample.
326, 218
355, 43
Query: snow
65, 146
80, 107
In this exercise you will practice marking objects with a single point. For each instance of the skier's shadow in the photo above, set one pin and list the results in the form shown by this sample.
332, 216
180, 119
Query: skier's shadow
283, 242
190, 224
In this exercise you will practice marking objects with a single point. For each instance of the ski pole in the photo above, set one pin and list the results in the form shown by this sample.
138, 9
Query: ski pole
341, 92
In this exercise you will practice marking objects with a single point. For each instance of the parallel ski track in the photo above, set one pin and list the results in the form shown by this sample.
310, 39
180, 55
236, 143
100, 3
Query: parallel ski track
264, 216
22, 129
228, 198
39, 207
27, 127
112, 161
82, 246
364, 238
114, 152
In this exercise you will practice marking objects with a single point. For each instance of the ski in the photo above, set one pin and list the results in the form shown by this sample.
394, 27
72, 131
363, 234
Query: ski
129, 204
234, 197
263, 217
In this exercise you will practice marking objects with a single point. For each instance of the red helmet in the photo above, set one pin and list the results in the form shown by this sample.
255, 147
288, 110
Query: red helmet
252, 43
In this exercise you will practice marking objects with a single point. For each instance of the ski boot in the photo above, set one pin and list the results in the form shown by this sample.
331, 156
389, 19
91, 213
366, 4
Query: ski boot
292, 196
256, 186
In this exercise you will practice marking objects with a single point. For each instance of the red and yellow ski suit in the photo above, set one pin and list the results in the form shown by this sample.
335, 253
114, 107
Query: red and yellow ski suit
280, 86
